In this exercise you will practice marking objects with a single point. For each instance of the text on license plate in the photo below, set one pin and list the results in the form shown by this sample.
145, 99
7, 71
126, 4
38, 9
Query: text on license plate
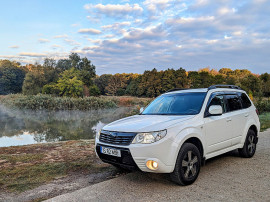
110, 151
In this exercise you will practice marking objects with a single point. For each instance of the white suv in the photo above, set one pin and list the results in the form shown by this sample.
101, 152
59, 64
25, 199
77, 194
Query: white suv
181, 129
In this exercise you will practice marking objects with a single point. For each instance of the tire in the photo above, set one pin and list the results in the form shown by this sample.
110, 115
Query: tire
187, 166
249, 147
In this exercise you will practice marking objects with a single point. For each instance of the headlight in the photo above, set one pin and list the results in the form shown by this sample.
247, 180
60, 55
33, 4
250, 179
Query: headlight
147, 138
97, 135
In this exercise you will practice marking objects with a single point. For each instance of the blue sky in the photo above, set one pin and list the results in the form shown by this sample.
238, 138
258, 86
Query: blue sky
132, 36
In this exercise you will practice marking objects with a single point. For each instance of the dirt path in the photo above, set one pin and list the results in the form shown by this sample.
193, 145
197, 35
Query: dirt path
224, 178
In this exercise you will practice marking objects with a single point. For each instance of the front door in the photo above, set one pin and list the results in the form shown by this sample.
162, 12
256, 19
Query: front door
218, 129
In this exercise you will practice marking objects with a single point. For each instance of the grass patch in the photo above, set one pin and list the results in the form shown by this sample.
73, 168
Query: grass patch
26, 167
265, 121
21, 158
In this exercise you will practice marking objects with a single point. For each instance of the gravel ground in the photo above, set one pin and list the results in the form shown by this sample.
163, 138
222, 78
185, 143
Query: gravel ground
224, 178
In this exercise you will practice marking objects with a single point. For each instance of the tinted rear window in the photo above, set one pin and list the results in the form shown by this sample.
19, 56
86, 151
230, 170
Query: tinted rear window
245, 101
234, 102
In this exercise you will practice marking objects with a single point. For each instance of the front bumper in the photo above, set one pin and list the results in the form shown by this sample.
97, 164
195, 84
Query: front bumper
125, 161
135, 156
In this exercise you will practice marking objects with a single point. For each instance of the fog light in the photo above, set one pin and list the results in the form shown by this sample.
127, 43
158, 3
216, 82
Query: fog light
152, 165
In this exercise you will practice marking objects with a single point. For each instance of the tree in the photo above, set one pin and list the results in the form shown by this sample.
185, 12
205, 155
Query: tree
265, 78
32, 85
11, 77
63, 64
37, 77
69, 84
102, 82
49, 63
252, 83
87, 71
116, 82
94, 90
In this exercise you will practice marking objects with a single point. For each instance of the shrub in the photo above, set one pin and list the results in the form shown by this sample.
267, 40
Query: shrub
263, 105
41, 101
94, 90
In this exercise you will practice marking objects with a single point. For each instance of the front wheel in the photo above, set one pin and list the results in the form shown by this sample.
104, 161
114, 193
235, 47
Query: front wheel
249, 147
187, 165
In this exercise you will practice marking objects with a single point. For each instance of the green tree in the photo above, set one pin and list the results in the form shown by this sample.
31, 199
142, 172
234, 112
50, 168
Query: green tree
37, 77
69, 84
11, 77
94, 90
102, 82
87, 72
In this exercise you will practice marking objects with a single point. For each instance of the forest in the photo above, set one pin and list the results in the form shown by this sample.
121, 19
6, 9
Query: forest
76, 77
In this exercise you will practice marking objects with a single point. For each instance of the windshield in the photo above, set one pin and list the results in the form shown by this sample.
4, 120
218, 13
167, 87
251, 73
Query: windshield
176, 104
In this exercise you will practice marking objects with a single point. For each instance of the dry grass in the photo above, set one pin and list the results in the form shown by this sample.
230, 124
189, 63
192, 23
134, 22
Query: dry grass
26, 167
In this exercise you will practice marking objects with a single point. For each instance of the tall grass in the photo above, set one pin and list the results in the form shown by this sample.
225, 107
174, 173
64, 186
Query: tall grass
56, 103
265, 121
50, 102
263, 104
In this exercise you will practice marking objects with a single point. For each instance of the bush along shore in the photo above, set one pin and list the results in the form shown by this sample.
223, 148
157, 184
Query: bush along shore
36, 102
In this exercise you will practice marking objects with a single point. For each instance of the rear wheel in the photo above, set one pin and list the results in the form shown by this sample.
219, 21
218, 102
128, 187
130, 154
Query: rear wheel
187, 165
249, 147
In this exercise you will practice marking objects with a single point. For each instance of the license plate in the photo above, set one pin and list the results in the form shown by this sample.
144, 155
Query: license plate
110, 151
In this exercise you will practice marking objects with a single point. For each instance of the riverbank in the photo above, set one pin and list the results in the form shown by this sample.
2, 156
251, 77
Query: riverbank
25, 168
37, 102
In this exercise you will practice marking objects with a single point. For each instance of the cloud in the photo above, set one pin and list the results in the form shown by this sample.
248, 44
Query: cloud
114, 10
75, 25
154, 5
60, 36
116, 25
55, 46
14, 47
89, 31
132, 37
29, 54
43, 40
71, 42
11, 56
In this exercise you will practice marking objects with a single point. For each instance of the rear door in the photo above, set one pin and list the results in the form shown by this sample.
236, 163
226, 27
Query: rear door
238, 116
218, 129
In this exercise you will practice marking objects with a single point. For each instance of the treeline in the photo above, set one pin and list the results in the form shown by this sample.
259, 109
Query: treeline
76, 77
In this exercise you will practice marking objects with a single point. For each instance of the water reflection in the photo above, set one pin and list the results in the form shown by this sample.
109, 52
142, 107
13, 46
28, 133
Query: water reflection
20, 127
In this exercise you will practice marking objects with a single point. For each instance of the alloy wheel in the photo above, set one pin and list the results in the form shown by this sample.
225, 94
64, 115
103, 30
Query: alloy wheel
190, 165
251, 144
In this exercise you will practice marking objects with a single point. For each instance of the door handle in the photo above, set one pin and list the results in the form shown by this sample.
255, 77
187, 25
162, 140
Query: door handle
228, 119
246, 115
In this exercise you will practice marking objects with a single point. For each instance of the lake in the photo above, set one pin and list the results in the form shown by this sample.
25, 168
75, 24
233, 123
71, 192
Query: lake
22, 127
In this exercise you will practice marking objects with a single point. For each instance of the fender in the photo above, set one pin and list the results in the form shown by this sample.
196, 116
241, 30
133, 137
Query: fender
184, 135
248, 125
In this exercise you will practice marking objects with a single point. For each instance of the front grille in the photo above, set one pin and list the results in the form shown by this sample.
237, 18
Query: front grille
117, 138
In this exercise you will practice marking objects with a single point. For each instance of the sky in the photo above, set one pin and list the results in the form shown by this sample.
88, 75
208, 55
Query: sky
133, 36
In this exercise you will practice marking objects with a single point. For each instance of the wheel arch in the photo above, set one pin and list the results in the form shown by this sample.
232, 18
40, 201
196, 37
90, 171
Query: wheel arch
197, 142
189, 135
254, 128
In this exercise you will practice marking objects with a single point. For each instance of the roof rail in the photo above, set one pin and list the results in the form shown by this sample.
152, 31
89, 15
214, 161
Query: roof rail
175, 89
224, 86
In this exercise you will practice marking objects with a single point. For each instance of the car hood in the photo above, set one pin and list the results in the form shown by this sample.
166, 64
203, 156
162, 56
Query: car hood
145, 123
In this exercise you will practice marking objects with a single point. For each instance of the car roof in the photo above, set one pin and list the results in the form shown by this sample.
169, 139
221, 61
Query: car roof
204, 90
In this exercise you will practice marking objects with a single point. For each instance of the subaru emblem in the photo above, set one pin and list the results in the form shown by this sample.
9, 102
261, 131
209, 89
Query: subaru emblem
113, 134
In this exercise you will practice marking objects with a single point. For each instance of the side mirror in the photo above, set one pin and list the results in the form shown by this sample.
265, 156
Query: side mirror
215, 110
141, 110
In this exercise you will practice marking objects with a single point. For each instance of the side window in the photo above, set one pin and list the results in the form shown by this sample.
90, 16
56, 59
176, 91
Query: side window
234, 102
218, 100
245, 101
